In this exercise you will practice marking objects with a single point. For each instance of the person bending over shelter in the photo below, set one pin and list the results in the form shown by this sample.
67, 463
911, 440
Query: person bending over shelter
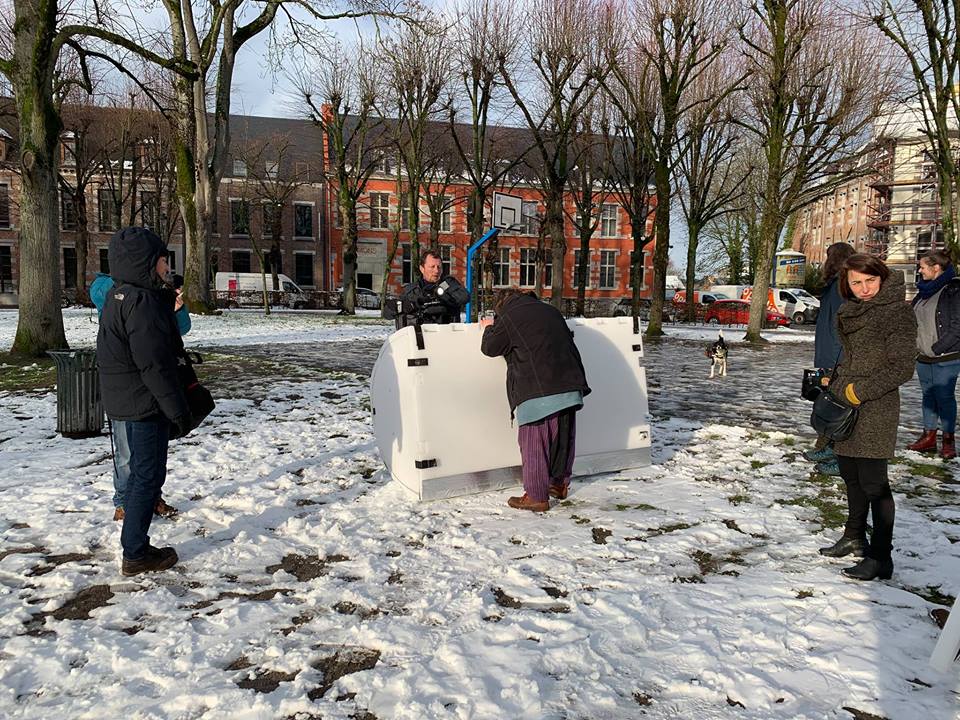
138, 347
546, 384
433, 298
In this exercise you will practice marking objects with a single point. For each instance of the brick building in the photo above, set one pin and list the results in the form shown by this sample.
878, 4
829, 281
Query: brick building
276, 165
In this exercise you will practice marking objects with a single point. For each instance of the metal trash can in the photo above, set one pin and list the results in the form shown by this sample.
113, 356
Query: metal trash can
79, 410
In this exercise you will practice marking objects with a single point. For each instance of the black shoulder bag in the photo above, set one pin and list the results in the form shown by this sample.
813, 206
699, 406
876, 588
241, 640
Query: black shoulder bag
831, 417
199, 399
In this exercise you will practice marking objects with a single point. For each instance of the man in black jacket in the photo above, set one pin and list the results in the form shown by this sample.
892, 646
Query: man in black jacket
432, 299
138, 347
546, 385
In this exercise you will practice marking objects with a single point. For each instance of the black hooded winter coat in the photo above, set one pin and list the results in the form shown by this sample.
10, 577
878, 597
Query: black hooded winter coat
139, 344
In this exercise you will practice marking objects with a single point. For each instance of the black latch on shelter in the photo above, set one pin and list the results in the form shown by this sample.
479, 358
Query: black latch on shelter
423, 464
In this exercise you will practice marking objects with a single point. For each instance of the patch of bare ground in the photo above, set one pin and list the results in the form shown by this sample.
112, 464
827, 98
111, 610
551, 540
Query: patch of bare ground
305, 568
340, 661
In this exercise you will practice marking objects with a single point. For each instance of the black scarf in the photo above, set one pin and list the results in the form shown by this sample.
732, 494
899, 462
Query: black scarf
929, 288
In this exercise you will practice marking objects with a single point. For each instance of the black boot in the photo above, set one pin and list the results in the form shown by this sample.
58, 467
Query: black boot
846, 546
870, 569
154, 560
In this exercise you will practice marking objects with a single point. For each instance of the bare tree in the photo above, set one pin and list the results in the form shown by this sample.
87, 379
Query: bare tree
924, 32
276, 177
678, 42
553, 83
416, 64
590, 185
818, 83
340, 94
710, 179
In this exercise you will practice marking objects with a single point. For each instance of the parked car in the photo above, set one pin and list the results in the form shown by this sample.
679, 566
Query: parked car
366, 299
737, 312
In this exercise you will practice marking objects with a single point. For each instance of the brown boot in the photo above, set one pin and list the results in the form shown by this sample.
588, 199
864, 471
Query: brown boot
525, 502
163, 510
948, 450
926, 442
118, 514
559, 491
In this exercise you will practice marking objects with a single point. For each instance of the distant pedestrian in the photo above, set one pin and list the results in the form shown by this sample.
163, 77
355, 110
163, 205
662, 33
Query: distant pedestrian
826, 346
546, 385
99, 289
878, 332
937, 306
138, 346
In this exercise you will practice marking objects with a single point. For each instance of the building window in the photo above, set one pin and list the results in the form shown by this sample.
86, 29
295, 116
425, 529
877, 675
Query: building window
68, 213
446, 255
214, 265
379, 211
303, 220
303, 269
150, 209
272, 167
241, 261
271, 212
4, 206
404, 211
172, 260
406, 265
268, 258
608, 268
239, 168
106, 210
528, 267
104, 261
608, 220
548, 271
501, 268
529, 222
69, 267
239, 218
6, 268
215, 218
446, 217
384, 164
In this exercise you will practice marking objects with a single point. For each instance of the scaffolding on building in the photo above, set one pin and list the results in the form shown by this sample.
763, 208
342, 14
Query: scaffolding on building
905, 208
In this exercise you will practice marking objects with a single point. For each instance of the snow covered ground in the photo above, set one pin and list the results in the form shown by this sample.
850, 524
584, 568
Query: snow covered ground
310, 585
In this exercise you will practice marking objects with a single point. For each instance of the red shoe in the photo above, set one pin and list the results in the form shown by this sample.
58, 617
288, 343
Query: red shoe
925, 443
948, 450
559, 491
525, 502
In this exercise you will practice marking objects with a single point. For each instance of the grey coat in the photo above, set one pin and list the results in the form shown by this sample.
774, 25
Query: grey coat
879, 339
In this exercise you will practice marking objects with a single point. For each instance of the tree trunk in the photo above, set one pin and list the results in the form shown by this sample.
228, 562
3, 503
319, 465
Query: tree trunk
40, 321
350, 234
82, 246
948, 214
693, 230
558, 239
582, 269
771, 226
661, 250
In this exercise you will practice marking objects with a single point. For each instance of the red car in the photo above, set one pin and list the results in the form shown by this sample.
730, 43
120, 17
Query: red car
737, 312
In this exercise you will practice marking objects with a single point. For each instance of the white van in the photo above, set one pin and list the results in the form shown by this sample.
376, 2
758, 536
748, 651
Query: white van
247, 289
797, 304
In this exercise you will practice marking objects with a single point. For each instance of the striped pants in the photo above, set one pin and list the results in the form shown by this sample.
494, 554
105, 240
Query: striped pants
537, 441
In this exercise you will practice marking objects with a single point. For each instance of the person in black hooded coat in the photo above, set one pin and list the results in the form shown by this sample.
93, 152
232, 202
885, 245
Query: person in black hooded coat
138, 347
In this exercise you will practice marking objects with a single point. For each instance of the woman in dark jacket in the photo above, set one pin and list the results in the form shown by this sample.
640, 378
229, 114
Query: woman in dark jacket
826, 344
878, 332
937, 307
546, 385
138, 346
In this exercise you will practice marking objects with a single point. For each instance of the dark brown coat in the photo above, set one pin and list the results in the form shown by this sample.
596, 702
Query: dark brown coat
879, 339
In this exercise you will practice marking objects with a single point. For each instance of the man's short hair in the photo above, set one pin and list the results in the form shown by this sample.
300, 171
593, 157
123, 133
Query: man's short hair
427, 254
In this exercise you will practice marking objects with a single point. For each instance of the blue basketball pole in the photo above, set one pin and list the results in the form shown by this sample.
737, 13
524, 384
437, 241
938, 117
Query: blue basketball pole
489, 235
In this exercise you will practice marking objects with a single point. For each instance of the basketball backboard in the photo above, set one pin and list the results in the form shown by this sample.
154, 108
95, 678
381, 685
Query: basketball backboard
507, 211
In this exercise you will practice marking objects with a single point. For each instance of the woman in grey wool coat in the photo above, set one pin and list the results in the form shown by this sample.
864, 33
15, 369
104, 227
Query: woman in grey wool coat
878, 332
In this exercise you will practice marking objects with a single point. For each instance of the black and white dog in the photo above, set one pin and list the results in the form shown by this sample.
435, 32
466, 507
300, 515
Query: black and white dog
717, 352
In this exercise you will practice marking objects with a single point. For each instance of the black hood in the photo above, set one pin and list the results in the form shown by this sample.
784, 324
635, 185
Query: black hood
133, 256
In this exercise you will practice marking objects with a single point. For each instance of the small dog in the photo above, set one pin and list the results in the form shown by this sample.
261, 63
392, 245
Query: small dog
717, 353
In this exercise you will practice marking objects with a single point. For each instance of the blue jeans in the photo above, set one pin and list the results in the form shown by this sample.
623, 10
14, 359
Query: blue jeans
148, 441
939, 383
121, 459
